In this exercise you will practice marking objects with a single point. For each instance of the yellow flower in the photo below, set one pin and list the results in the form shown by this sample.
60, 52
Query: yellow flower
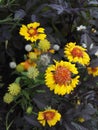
32, 32
32, 72
81, 119
93, 71
44, 45
76, 53
32, 55
51, 116
14, 89
60, 78
8, 98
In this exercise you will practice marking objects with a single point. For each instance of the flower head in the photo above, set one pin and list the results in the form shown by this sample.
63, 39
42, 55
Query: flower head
32, 32
76, 53
12, 65
8, 98
51, 116
32, 55
44, 60
32, 72
93, 71
44, 45
28, 47
59, 77
14, 89
56, 47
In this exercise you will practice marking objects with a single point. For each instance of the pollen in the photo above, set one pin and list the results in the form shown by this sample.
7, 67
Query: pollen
49, 115
77, 52
62, 75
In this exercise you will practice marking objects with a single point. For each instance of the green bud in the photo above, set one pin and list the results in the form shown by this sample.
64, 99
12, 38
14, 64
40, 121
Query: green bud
19, 68
29, 110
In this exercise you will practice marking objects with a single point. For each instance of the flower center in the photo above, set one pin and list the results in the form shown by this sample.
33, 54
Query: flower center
49, 115
77, 52
32, 31
94, 69
62, 75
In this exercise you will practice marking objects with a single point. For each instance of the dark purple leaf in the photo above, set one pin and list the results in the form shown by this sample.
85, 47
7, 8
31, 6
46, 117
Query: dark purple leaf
78, 126
32, 120
94, 62
19, 14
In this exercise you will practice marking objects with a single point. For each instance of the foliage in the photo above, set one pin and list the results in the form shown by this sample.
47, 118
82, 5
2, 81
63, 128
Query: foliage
61, 20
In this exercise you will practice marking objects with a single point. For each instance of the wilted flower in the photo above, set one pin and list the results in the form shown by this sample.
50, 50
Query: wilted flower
81, 27
32, 32
44, 45
32, 72
28, 47
76, 53
12, 65
44, 60
56, 47
49, 116
14, 89
8, 98
59, 78
93, 71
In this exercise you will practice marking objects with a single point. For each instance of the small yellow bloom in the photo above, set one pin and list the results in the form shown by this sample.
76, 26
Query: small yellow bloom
32, 72
93, 71
76, 53
32, 55
14, 89
49, 116
32, 32
59, 77
81, 119
8, 98
44, 45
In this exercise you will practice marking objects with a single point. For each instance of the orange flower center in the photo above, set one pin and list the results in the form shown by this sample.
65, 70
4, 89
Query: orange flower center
94, 69
32, 31
77, 52
62, 75
49, 115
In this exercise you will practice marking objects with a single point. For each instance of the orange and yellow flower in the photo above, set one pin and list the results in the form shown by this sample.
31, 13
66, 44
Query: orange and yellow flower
49, 116
76, 53
61, 77
93, 71
32, 32
28, 63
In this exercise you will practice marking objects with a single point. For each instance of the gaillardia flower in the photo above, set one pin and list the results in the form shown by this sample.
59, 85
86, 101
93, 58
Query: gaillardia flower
14, 89
61, 77
93, 71
49, 116
32, 32
76, 53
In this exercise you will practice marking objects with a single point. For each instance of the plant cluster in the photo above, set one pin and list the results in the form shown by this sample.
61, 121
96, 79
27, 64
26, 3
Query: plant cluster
49, 65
